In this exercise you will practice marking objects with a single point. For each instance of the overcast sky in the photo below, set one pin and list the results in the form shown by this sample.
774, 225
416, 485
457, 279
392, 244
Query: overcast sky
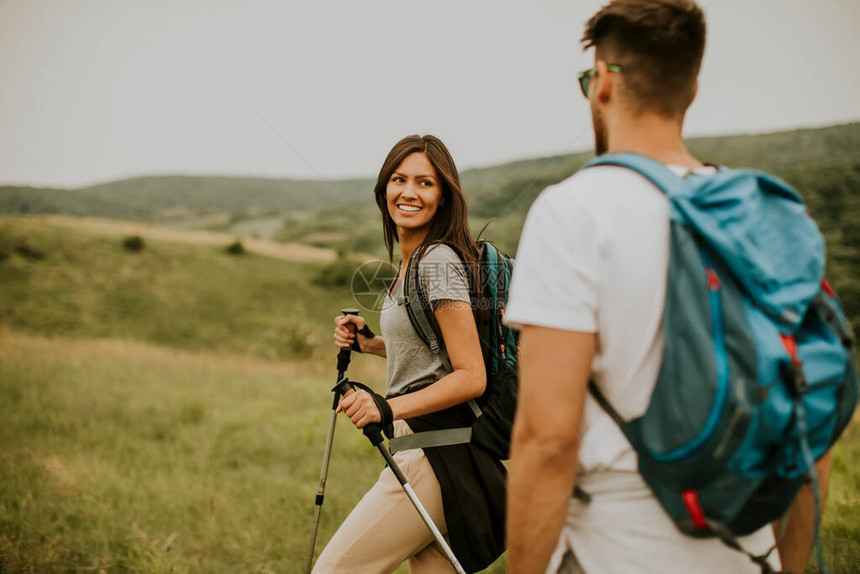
94, 90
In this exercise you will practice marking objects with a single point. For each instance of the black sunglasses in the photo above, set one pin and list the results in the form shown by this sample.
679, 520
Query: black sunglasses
585, 76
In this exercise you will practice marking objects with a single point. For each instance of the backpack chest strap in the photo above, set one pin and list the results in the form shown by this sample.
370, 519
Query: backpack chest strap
443, 437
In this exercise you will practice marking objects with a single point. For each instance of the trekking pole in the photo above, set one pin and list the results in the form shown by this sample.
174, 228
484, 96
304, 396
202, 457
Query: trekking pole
373, 432
343, 358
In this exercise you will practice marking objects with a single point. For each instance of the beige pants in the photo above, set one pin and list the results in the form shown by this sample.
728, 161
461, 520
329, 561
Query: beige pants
384, 529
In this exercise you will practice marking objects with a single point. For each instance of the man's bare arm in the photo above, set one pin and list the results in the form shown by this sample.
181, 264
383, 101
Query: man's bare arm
796, 544
555, 366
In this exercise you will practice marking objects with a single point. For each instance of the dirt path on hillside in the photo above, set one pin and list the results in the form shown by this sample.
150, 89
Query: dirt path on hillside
282, 251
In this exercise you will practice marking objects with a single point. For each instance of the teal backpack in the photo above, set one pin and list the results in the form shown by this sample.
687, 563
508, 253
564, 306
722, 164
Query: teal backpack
759, 377
494, 410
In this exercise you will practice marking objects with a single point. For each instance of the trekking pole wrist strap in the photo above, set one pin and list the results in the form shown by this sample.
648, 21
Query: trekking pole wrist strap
385, 412
364, 332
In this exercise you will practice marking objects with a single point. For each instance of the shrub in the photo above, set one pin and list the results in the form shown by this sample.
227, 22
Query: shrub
133, 243
338, 273
236, 248
298, 343
27, 251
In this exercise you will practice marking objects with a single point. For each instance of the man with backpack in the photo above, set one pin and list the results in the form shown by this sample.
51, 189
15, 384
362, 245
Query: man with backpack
588, 296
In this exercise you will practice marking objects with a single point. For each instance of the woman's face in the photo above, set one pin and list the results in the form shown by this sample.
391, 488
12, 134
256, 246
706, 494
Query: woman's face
414, 192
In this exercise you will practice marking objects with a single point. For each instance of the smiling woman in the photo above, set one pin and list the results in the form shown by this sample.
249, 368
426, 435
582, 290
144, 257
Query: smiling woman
423, 163
461, 485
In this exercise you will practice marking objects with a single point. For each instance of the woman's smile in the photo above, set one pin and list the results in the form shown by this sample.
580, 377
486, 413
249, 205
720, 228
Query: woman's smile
408, 208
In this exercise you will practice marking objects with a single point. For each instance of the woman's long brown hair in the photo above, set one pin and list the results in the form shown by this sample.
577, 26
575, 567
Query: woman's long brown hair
450, 224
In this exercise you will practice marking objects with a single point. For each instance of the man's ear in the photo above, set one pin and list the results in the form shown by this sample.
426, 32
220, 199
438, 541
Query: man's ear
604, 82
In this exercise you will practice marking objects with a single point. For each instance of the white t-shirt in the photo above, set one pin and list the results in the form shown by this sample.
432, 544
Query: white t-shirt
593, 257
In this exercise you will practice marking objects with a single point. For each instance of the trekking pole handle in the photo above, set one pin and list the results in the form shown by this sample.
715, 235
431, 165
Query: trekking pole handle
373, 431
350, 311
344, 355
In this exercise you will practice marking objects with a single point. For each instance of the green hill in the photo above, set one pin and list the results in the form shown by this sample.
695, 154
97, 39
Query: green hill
491, 190
822, 163
66, 281
175, 197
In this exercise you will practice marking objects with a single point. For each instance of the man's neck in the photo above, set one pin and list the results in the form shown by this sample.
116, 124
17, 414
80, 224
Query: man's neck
652, 136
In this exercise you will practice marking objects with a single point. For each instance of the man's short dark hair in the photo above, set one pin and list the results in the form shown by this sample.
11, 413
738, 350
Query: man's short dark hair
658, 44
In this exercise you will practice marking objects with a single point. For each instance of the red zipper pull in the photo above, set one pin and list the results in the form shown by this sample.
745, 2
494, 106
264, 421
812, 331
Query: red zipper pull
791, 346
713, 280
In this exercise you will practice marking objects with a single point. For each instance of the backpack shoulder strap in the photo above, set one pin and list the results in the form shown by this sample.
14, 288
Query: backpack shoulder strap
654, 171
423, 320
605, 404
497, 270
420, 311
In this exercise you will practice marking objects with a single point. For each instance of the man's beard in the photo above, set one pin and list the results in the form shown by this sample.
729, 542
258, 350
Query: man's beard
600, 144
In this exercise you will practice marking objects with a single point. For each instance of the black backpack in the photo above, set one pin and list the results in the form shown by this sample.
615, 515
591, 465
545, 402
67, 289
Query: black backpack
494, 410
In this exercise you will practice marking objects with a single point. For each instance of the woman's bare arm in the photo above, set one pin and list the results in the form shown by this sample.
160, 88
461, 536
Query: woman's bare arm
467, 381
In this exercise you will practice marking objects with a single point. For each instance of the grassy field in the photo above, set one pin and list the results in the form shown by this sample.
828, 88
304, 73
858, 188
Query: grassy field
127, 457
165, 411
